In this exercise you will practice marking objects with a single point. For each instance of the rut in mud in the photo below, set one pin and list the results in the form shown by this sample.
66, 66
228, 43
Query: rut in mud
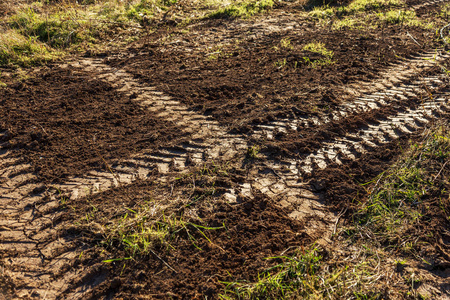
35, 241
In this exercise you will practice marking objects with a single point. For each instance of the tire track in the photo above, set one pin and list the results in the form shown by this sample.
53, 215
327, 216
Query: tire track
393, 127
31, 243
393, 86
41, 260
208, 142
32, 240
30, 220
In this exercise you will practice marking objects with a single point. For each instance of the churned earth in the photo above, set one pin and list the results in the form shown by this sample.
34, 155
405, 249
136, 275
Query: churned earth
207, 157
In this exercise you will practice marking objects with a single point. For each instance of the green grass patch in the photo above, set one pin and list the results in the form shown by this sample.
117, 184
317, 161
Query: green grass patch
354, 8
147, 8
41, 31
323, 12
307, 275
159, 225
319, 48
15, 49
286, 44
348, 23
398, 204
141, 231
363, 13
444, 12
403, 17
371, 5
58, 30
243, 9
253, 151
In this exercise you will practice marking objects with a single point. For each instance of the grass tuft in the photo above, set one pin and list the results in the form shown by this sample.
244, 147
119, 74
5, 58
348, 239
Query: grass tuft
245, 9
140, 232
319, 48
367, 13
286, 44
370, 5
253, 151
353, 9
147, 8
402, 17
306, 275
15, 49
397, 206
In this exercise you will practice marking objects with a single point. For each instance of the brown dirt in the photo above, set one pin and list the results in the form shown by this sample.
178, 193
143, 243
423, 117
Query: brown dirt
255, 229
66, 122
244, 86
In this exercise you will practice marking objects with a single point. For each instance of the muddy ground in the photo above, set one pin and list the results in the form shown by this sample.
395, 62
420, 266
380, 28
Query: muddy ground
68, 124
243, 85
